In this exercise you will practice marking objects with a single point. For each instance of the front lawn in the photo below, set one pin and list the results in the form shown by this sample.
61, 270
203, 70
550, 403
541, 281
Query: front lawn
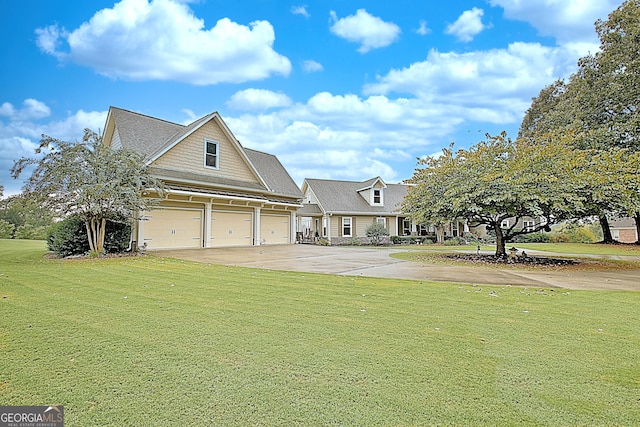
154, 341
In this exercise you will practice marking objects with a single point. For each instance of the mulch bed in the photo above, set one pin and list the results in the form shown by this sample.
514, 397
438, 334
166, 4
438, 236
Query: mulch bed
520, 260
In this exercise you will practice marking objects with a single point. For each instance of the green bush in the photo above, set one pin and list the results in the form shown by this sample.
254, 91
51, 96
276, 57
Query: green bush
376, 232
532, 238
31, 232
411, 240
455, 241
69, 237
6, 229
576, 233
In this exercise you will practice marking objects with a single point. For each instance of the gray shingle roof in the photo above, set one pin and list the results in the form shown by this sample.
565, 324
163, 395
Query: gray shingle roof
150, 136
343, 197
142, 133
274, 174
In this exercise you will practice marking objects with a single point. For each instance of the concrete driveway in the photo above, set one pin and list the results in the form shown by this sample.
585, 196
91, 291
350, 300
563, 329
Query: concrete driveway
356, 261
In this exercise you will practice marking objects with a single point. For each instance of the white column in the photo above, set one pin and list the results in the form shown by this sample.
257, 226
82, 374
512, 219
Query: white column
292, 227
256, 226
207, 225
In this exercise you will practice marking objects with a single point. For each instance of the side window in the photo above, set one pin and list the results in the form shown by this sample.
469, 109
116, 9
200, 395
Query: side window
346, 226
211, 154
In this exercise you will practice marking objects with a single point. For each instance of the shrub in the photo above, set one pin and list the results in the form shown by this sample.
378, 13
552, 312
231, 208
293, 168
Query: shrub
31, 232
376, 232
69, 237
532, 238
455, 241
6, 229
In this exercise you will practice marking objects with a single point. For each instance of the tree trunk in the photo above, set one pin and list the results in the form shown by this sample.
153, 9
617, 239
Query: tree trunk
95, 233
637, 218
88, 226
500, 243
439, 233
606, 229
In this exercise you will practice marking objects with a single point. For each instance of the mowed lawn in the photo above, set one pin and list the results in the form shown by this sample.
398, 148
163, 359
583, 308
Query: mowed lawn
149, 341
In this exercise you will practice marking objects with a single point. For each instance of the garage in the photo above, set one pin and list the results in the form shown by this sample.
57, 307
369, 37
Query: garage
275, 229
231, 228
170, 228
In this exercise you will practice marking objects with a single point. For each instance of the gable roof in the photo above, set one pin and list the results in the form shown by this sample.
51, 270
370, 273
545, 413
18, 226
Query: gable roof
273, 173
343, 197
152, 137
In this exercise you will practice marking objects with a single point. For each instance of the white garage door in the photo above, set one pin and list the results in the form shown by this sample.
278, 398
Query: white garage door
274, 229
231, 228
172, 228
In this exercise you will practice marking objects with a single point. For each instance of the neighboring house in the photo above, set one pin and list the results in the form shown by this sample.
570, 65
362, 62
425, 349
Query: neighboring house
341, 211
218, 193
624, 230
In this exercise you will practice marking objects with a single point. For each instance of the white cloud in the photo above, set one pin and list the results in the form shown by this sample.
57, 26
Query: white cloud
494, 85
163, 40
368, 30
565, 20
300, 10
423, 30
258, 99
31, 109
20, 133
468, 25
311, 66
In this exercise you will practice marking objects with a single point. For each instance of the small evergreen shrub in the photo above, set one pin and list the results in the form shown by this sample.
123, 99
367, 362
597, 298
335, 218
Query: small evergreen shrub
377, 233
69, 237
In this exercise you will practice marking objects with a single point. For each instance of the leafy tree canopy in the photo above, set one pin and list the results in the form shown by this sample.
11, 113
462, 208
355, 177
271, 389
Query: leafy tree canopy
499, 179
88, 179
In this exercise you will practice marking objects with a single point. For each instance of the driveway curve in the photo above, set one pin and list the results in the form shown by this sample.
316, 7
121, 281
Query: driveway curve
357, 261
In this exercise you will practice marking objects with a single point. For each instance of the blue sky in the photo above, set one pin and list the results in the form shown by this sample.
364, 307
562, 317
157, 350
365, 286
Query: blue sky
336, 89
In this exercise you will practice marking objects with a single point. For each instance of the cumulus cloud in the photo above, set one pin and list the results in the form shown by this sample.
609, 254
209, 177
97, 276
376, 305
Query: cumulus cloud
565, 20
311, 66
423, 30
300, 10
163, 40
468, 25
258, 99
495, 84
31, 109
21, 129
368, 30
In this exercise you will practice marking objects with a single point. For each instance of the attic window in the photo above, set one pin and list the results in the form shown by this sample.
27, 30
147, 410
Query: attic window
211, 154
377, 196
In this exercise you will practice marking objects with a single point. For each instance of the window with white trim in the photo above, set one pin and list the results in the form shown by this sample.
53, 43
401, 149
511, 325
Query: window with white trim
382, 221
346, 226
528, 225
377, 196
505, 223
324, 227
211, 154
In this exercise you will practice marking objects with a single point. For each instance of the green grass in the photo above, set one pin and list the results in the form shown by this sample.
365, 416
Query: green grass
153, 341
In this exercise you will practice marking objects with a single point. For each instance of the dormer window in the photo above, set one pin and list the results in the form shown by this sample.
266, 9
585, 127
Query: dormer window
376, 196
211, 154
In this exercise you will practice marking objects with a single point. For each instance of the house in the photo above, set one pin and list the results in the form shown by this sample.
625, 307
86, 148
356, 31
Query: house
341, 211
217, 192
624, 230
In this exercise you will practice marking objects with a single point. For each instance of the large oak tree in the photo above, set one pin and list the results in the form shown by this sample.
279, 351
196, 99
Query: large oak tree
499, 179
599, 107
